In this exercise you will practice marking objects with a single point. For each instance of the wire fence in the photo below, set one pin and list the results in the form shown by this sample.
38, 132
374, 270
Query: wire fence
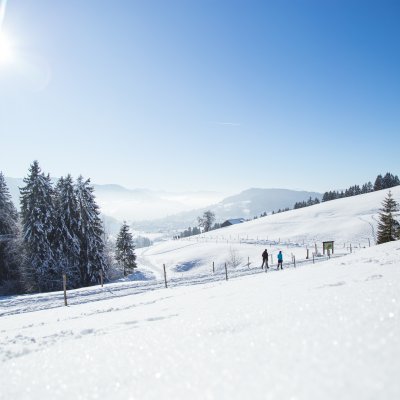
221, 272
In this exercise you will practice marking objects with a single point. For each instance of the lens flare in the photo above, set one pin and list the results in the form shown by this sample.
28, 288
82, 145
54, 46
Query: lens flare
6, 49
3, 4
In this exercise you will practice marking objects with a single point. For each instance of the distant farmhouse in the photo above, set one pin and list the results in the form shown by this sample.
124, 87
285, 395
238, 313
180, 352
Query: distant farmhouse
234, 221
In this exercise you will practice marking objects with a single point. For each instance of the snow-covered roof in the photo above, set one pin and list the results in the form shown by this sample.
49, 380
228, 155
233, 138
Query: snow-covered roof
234, 221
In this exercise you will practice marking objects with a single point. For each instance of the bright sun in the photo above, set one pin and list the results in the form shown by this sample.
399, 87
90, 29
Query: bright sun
6, 49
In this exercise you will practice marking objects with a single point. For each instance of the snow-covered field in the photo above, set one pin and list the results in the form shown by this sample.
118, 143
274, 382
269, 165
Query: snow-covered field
319, 331
349, 221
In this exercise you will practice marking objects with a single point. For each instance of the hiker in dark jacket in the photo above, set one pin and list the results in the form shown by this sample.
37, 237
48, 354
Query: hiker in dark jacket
265, 259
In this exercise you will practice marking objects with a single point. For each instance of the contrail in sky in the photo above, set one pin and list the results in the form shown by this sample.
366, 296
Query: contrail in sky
3, 4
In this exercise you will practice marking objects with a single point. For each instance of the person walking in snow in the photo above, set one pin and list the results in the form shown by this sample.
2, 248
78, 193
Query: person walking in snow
280, 259
265, 259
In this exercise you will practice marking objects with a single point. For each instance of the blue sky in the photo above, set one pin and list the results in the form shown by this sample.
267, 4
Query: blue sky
203, 95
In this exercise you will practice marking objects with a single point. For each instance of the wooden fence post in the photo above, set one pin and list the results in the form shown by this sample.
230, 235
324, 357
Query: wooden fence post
165, 276
248, 262
351, 249
307, 254
101, 277
65, 289
313, 258
226, 272
213, 267
369, 243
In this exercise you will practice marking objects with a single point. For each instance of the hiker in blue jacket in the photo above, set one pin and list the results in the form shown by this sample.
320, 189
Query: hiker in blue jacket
280, 259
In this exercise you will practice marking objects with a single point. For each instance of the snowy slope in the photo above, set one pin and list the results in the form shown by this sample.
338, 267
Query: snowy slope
349, 221
324, 331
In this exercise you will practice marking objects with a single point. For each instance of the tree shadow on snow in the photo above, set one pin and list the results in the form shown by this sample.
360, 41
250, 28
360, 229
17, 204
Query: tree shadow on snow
187, 266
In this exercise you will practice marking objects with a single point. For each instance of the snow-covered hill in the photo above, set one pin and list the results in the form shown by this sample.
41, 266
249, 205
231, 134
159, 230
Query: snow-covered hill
350, 222
325, 330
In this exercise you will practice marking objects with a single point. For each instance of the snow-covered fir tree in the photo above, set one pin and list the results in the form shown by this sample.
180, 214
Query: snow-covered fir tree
38, 217
8, 233
125, 250
90, 233
66, 244
388, 226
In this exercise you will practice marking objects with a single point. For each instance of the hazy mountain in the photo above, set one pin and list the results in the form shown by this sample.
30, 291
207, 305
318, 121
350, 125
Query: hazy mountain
150, 210
247, 204
144, 204
121, 203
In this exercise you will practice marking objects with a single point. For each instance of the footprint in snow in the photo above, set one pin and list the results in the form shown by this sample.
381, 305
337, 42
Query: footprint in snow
87, 331
373, 277
341, 283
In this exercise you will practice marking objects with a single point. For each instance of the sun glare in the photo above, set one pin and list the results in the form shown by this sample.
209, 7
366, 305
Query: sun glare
6, 49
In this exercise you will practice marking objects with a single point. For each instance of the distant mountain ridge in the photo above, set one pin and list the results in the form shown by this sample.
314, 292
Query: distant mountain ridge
157, 210
246, 204
121, 203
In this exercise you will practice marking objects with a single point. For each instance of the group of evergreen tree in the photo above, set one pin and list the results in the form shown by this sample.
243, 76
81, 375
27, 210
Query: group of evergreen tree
264, 214
190, 232
381, 182
386, 182
281, 210
309, 202
61, 233
351, 191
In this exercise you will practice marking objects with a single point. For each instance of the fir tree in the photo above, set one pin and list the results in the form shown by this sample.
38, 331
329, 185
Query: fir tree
67, 245
8, 233
90, 234
37, 217
125, 250
388, 226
